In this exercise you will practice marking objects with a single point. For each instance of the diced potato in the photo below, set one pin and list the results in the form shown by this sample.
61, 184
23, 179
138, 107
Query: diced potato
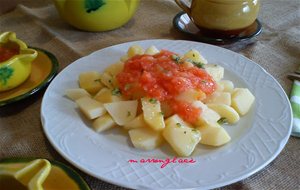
135, 50
90, 81
220, 88
218, 98
175, 120
115, 68
227, 85
145, 138
123, 111
153, 115
181, 138
207, 115
216, 71
213, 134
106, 95
152, 50
191, 95
76, 93
107, 80
242, 100
124, 58
90, 107
195, 56
103, 123
225, 111
137, 122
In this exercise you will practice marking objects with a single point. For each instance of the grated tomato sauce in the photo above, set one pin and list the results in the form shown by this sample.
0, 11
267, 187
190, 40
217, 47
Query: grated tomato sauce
161, 77
7, 53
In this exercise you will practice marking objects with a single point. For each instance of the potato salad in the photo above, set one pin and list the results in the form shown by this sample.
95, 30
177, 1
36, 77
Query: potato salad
159, 96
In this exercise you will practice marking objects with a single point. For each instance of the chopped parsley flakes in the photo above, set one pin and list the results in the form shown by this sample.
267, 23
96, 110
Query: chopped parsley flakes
152, 100
116, 91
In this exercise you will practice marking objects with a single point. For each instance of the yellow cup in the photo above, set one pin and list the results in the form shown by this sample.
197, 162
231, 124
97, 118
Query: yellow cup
225, 17
16, 69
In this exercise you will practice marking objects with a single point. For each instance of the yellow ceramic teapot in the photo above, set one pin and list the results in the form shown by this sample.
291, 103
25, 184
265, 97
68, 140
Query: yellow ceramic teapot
96, 15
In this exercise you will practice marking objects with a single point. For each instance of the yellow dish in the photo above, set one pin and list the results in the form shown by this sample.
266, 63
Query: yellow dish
17, 67
44, 67
38, 174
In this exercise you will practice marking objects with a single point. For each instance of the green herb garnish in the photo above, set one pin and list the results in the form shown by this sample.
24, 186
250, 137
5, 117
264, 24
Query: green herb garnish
178, 124
97, 80
198, 64
116, 92
223, 120
128, 114
194, 130
152, 100
176, 58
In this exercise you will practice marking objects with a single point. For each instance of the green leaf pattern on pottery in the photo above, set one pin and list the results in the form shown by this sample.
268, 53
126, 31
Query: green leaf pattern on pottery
5, 74
93, 5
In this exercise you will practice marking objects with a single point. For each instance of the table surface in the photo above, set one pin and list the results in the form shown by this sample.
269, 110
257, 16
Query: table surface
277, 49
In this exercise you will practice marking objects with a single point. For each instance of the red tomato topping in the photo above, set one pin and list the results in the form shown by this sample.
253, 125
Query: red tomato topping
7, 53
161, 77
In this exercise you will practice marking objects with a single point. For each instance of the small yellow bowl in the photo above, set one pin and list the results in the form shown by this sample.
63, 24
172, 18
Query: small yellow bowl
15, 69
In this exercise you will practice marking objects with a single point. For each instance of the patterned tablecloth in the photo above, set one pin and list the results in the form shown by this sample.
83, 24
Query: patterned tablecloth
277, 50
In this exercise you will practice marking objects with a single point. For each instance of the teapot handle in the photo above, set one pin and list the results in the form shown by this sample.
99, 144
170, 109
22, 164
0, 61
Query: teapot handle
183, 6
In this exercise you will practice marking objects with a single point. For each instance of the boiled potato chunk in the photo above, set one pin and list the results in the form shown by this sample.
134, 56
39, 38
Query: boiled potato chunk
216, 71
90, 107
145, 138
213, 134
76, 93
242, 100
191, 95
137, 122
226, 112
195, 56
90, 81
108, 80
152, 50
123, 111
219, 98
207, 115
152, 113
227, 85
106, 95
135, 50
103, 123
181, 138
124, 58
115, 68
175, 120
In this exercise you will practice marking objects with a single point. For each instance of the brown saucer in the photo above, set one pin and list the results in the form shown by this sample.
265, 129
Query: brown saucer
183, 23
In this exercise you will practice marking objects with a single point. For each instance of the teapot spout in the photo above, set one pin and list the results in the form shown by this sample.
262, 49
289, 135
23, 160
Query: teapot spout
59, 4
132, 6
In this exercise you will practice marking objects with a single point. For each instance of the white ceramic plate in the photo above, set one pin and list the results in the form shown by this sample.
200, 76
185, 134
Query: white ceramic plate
256, 140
